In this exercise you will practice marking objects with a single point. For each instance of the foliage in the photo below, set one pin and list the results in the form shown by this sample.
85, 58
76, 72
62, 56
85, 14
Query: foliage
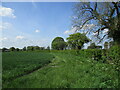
69, 70
76, 41
30, 48
106, 15
58, 43
16, 64
114, 55
106, 44
12, 49
4, 49
17, 49
93, 46
35, 48
48, 48
24, 49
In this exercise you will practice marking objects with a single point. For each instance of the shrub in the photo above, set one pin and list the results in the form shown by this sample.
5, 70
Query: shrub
114, 55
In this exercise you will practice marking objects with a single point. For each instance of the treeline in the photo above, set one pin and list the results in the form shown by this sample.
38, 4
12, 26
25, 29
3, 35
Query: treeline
76, 41
28, 48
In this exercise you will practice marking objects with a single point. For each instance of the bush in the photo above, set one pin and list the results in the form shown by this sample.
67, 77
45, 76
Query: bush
114, 55
95, 54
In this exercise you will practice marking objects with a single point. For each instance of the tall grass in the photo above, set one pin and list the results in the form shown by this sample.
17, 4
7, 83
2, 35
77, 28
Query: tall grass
69, 70
16, 64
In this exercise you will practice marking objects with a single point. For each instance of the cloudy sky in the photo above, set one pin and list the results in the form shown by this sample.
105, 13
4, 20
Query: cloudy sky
28, 23
37, 23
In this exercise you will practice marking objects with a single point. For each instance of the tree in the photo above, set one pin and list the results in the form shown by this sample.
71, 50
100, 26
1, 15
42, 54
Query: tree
4, 49
92, 46
106, 44
12, 49
42, 48
30, 48
111, 44
24, 49
103, 16
58, 43
98, 47
76, 41
48, 48
36, 48
17, 49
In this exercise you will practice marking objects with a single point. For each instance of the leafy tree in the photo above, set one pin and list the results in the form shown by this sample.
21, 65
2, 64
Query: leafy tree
12, 49
92, 46
98, 47
4, 49
106, 44
24, 49
42, 48
36, 48
111, 44
58, 43
48, 48
30, 48
76, 41
17, 49
104, 16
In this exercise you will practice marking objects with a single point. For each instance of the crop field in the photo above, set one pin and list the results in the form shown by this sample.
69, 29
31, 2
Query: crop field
63, 69
17, 64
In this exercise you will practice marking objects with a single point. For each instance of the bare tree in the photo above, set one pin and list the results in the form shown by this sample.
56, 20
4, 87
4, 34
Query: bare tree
104, 16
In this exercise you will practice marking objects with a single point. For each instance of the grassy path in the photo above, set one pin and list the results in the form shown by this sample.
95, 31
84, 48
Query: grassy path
69, 71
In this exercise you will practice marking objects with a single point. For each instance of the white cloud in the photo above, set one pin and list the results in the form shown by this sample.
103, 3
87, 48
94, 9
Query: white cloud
20, 43
85, 27
105, 30
37, 31
72, 30
6, 12
96, 33
88, 26
4, 25
3, 38
19, 37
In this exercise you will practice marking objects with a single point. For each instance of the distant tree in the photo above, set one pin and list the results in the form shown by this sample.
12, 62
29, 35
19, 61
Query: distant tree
42, 48
24, 49
58, 43
106, 44
4, 49
12, 49
92, 46
98, 47
111, 44
36, 48
17, 49
48, 48
76, 41
30, 48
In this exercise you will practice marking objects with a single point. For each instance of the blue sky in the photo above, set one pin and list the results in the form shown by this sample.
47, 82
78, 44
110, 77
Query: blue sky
38, 23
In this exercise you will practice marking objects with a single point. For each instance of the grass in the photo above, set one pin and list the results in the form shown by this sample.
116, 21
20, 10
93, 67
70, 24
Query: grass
68, 70
16, 64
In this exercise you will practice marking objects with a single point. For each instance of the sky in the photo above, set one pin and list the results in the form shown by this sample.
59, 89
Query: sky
37, 23
34, 23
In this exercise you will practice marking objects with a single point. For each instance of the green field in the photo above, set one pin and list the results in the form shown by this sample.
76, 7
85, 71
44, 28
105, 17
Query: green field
56, 69
17, 64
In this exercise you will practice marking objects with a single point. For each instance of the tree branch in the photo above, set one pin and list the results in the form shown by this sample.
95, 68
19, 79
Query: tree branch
103, 38
100, 29
95, 6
